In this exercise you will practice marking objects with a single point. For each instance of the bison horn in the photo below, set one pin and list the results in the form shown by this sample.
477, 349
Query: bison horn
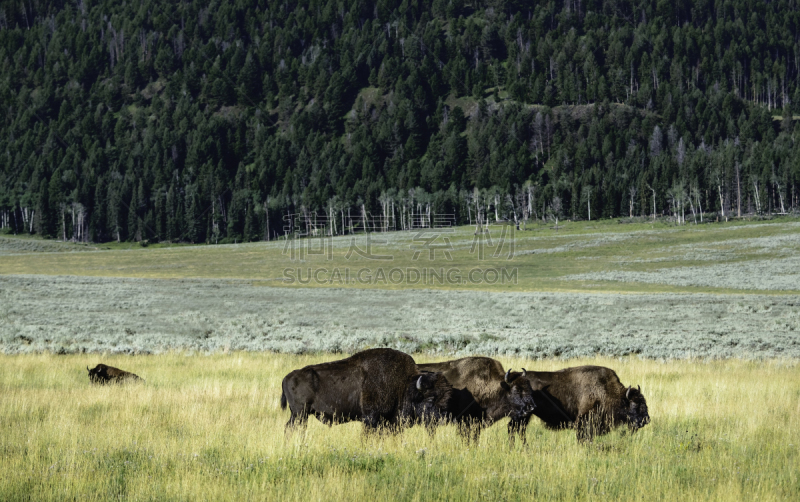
628, 393
639, 388
87, 369
419, 383
507, 373
524, 372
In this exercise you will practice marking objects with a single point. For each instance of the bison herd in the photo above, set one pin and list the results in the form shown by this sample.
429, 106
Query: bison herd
386, 389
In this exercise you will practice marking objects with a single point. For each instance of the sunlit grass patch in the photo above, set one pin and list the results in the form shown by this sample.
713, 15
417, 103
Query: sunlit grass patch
210, 427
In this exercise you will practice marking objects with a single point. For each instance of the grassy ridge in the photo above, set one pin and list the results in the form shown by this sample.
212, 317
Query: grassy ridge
209, 427
595, 256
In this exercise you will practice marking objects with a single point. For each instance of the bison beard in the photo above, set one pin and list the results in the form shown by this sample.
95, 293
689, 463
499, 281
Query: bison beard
589, 398
379, 387
483, 393
103, 374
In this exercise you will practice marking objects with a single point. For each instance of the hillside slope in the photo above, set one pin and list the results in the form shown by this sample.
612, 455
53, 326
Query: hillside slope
208, 121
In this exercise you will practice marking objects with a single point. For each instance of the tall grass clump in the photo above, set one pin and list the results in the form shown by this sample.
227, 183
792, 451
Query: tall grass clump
210, 427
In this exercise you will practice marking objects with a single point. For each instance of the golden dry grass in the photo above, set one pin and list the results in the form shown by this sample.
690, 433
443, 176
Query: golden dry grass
209, 427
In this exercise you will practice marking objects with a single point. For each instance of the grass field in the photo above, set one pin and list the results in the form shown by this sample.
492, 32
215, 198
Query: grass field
596, 256
210, 428
705, 318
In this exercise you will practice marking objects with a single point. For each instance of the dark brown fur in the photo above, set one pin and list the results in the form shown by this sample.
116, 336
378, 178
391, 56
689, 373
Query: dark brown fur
428, 398
481, 395
103, 374
590, 399
376, 386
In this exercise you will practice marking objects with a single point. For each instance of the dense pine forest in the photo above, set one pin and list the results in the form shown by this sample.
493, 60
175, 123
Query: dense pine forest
210, 121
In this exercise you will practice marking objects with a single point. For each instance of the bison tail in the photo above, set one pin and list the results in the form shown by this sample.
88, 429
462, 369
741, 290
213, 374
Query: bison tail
283, 400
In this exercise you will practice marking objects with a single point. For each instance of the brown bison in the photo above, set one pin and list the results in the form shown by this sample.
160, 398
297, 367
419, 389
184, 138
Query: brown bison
590, 399
484, 393
379, 387
103, 374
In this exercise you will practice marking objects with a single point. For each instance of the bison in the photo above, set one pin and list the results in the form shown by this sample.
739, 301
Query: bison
590, 399
379, 387
484, 393
103, 374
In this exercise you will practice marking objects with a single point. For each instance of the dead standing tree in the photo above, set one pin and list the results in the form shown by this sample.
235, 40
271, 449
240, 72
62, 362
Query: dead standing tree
654, 201
555, 210
586, 194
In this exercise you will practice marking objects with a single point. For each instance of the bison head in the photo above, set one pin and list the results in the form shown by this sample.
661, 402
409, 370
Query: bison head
519, 395
635, 409
95, 374
428, 396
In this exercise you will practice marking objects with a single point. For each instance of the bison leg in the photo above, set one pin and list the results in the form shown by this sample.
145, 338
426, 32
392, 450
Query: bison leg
325, 418
297, 421
470, 431
430, 427
375, 422
377, 409
476, 433
591, 424
518, 427
583, 431
372, 421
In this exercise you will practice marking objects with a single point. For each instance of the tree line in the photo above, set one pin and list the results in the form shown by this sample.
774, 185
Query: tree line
207, 121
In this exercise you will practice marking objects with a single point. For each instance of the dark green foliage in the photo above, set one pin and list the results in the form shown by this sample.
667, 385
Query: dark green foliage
187, 121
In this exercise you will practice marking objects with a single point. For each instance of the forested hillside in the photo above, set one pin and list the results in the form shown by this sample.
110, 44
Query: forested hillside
207, 121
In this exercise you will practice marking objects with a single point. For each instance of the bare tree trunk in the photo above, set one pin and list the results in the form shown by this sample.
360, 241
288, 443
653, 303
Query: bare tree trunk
266, 217
364, 218
758, 199
654, 203
738, 193
514, 210
589, 204
478, 225
632, 191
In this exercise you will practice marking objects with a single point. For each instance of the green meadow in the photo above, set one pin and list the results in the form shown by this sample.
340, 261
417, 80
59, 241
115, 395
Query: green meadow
577, 256
704, 317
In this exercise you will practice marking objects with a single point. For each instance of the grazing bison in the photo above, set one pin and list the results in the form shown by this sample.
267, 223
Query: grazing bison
589, 398
376, 386
483, 393
103, 374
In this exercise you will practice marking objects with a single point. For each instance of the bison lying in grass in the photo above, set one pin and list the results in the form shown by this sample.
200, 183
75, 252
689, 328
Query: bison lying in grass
590, 399
379, 387
103, 374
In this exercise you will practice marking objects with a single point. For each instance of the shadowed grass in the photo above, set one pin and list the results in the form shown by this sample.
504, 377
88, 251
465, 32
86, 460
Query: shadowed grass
209, 427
